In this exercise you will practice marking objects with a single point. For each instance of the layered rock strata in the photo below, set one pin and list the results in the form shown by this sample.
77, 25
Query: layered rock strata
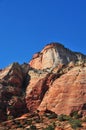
12, 100
54, 54
54, 80
65, 91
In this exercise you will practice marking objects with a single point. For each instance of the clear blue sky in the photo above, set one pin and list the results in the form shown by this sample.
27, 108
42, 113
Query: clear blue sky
26, 26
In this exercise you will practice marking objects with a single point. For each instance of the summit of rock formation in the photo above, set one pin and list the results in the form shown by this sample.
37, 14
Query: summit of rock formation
57, 80
53, 81
54, 54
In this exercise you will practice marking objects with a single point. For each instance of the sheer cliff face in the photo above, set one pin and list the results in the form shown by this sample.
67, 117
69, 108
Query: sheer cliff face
55, 80
12, 100
67, 93
53, 55
62, 74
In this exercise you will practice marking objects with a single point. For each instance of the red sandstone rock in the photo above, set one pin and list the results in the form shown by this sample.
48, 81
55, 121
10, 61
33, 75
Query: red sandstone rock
12, 101
67, 93
53, 55
36, 55
58, 128
36, 95
55, 79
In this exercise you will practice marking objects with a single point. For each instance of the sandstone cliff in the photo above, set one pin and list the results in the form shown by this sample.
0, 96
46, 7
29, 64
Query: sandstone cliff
54, 54
61, 73
54, 80
12, 91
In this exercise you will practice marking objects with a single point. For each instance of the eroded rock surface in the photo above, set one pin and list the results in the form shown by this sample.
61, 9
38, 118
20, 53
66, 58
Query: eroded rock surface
54, 54
67, 93
12, 100
66, 90
54, 80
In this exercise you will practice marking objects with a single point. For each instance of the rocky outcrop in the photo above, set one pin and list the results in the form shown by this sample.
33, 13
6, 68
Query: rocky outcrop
54, 54
67, 93
36, 88
54, 80
12, 100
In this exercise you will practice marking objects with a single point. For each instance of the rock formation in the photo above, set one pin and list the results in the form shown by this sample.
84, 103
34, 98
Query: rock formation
63, 77
67, 93
54, 80
12, 100
54, 54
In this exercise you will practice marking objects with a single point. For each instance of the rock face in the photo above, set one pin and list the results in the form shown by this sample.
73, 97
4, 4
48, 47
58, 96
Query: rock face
52, 55
54, 80
12, 101
56, 83
67, 93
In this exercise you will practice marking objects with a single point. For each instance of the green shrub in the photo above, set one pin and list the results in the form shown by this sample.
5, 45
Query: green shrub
29, 122
76, 115
20, 125
10, 117
51, 115
75, 123
39, 120
32, 127
64, 117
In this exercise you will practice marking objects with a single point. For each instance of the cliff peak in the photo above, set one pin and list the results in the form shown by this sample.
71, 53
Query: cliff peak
53, 83
54, 54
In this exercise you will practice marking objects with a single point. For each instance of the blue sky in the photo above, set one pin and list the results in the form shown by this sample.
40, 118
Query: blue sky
26, 26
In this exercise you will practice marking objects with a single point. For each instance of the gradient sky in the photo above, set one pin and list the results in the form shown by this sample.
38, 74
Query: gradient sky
26, 26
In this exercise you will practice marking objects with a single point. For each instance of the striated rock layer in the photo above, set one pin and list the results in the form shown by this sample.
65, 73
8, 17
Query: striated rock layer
54, 80
62, 74
54, 54
12, 100
67, 93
